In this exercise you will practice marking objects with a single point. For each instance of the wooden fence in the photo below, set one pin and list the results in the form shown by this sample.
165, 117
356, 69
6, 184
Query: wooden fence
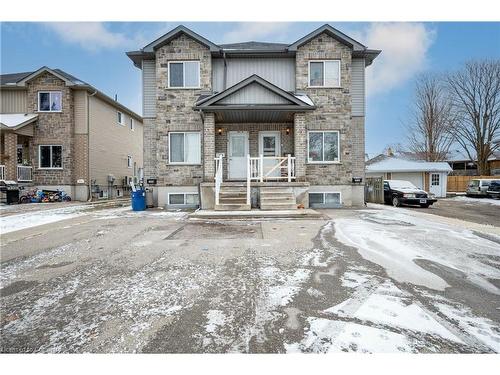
374, 190
459, 183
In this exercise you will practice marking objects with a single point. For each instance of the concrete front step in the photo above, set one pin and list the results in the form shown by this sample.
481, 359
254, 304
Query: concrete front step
232, 207
256, 214
275, 190
233, 201
274, 198
278, 206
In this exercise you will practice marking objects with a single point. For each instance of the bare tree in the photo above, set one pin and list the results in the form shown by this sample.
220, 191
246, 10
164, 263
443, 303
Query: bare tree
429, 132
475, 92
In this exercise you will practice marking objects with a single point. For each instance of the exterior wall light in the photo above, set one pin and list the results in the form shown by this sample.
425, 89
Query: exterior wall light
219, 131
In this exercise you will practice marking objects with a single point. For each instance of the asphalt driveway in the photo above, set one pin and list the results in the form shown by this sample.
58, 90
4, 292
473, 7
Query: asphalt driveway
374, 280
475, 210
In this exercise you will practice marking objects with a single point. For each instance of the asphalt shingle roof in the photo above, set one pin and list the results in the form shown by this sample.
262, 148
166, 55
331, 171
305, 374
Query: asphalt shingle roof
255, 46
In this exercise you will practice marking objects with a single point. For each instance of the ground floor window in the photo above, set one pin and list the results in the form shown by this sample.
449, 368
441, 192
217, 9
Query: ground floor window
184, 148
324, 200
183, 199
50, 157
323, 146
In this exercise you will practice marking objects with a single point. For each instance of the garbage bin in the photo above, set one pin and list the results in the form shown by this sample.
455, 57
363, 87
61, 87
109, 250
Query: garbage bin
149, 198
139, 200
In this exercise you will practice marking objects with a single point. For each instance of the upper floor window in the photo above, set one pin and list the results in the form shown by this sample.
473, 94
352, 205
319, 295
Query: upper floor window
50, 156
132, 125
184, 74
323, 146
120, 118
324, 73
49, 101
129, 161
185, 148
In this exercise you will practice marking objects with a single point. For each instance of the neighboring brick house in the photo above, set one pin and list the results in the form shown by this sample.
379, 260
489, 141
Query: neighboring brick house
252, 124
58, 132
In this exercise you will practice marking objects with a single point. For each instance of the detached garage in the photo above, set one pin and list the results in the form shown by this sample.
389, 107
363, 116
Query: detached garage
429, 176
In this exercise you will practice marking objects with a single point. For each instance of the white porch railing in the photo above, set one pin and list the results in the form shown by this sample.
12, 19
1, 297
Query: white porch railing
24, 173
219, 169
2, 172
277, 168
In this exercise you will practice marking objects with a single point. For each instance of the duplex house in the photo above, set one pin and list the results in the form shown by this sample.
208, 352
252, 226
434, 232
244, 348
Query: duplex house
58, 132
252, 124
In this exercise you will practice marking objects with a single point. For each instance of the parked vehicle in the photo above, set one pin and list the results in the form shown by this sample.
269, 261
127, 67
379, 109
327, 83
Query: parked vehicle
494, 189
398, 192
477, 188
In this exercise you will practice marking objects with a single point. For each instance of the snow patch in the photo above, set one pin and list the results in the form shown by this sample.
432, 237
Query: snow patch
390, 246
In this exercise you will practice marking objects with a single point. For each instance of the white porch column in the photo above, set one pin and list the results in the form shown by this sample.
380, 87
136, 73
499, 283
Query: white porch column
300, 145
209, 147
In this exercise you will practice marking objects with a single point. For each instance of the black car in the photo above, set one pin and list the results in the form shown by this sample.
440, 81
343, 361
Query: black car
494, 189
398, 192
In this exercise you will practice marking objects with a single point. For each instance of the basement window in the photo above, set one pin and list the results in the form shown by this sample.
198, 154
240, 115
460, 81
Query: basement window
183, 199
325, 200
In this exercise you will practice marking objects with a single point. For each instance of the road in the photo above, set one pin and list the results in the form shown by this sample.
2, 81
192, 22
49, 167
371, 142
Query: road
373, 280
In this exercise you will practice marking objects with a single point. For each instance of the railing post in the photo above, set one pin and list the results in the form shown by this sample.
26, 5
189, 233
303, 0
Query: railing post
261, 168
289, 165
248, 178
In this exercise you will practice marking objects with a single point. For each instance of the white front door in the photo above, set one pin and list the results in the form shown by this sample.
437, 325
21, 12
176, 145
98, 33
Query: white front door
269, 146
435, 184
237, 150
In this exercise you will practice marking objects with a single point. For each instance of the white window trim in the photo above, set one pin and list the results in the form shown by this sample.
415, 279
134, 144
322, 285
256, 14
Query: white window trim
170, 149
184, 75
309, 161
129, 157
327, 192
123, 118
184, 194
40, 157
49, 92
132, 124
324, 73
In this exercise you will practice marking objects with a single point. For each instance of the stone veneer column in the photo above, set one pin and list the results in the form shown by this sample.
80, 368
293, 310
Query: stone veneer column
300, 144
10, 143
209, 147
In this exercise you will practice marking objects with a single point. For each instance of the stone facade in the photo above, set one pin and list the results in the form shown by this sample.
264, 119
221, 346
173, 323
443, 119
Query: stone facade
52, 128
175, 113
333, 110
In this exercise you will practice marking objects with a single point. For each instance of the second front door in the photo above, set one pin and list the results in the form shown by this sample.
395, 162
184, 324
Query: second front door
237, 151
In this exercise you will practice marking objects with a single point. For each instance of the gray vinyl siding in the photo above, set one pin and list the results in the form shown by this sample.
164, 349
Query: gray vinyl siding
13, 101
278, 71
358, 87
148, 88
253, 94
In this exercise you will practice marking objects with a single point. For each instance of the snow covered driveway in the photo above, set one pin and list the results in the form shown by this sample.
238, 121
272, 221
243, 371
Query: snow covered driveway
373, 280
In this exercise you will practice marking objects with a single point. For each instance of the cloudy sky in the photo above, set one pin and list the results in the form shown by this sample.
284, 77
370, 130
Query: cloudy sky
95, 52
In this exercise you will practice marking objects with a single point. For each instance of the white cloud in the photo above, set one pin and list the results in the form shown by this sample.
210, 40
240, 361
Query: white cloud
404, 53
257, 31
90, 35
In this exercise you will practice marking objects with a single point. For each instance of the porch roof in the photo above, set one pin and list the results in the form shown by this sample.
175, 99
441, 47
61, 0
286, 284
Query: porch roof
15, 121
254, 100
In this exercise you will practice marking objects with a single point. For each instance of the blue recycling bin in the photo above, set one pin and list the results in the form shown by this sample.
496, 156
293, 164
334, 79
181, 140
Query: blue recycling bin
139, 200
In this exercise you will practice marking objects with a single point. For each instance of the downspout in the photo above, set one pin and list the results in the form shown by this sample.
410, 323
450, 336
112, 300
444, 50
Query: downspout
225, 71
89, 179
